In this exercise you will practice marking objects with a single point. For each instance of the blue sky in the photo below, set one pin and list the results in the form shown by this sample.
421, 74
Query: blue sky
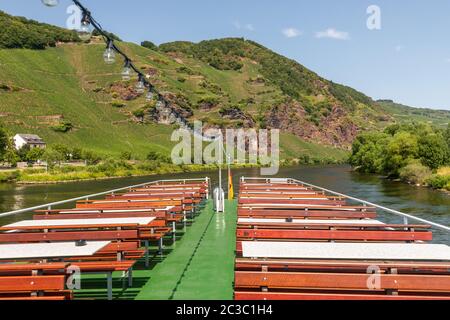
408, 60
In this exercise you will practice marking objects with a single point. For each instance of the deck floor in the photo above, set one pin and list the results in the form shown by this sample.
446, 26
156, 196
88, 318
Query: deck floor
200, 266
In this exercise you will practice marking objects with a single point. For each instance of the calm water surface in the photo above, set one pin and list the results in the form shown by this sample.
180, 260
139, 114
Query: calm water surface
421, 202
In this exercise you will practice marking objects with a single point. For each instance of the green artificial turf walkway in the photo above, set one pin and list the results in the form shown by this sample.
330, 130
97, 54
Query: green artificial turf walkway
199, 266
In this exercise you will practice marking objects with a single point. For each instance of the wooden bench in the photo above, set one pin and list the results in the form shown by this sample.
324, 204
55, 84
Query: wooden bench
299, 214
264, 296
343, 283
126, 204
33, 282
334, 235
350, 266
280, 202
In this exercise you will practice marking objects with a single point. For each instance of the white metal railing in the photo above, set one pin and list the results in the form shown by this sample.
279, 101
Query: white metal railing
49, 206
406, 217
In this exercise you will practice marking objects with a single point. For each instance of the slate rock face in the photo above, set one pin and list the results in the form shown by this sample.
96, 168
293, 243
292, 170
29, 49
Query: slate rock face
335, 129
124, 90
235, 113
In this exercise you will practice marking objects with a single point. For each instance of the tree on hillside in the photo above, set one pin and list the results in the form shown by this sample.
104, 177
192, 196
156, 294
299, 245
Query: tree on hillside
52, 157
18, 32
113, 36
403, 148
447, 136
368, 152
433, 150
34, 155
4, 142
149, 45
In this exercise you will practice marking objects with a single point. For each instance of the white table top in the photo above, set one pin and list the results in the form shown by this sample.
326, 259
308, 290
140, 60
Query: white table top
348, 251
169, 189
118, 200
246, 192
49, 250
81, 222
308, 221
137, 210
281, 198
152, 194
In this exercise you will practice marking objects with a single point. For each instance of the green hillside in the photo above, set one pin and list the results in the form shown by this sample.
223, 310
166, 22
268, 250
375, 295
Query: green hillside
43, 88
68, 95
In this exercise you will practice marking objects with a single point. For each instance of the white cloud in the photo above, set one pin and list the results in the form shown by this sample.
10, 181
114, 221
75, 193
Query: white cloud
333, 34
291, 32
399, 48
447, 60
247, 26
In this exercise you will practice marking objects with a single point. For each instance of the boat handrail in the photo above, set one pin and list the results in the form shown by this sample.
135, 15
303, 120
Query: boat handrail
406, 217
49, 206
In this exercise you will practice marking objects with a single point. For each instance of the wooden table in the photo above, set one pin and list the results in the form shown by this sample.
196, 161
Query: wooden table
49, 250
81, 222
346, 251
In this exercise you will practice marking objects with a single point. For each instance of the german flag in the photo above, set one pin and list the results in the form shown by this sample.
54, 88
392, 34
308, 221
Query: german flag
230, 186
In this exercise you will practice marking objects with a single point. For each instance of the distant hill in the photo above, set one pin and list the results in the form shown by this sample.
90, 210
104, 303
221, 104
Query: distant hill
274, 91
66, 94
19, 32
402, 113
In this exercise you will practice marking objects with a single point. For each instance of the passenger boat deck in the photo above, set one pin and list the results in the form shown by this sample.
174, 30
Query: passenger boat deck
282, 239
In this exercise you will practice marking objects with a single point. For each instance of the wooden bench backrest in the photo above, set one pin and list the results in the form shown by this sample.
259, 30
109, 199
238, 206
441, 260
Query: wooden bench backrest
350, 235
327, 214
69, 236
66, 216
349, 281
32, 283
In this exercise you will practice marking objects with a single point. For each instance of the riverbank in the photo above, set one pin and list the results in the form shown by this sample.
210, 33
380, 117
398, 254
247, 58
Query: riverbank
439, 181
415, 153
116, 169
107, 170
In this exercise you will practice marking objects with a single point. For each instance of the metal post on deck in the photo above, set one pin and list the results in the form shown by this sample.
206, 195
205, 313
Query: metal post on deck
130, 277
160, 246
147, 260
109, 285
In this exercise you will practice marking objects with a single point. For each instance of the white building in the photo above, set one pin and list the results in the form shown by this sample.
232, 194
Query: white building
31, 140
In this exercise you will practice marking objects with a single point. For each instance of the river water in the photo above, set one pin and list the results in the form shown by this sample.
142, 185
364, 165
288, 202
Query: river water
421, 202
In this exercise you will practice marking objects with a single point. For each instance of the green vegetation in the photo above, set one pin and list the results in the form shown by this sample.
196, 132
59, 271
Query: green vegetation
296, 151
95, 33
64, 126
292, 78
106, 169
4, 142
412, 152
440, 180
149, 45
402, 113
18, 32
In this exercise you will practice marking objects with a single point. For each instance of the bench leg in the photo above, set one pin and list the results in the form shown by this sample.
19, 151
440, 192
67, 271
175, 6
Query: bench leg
109, 285
147, 258
184, 220
130, 277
